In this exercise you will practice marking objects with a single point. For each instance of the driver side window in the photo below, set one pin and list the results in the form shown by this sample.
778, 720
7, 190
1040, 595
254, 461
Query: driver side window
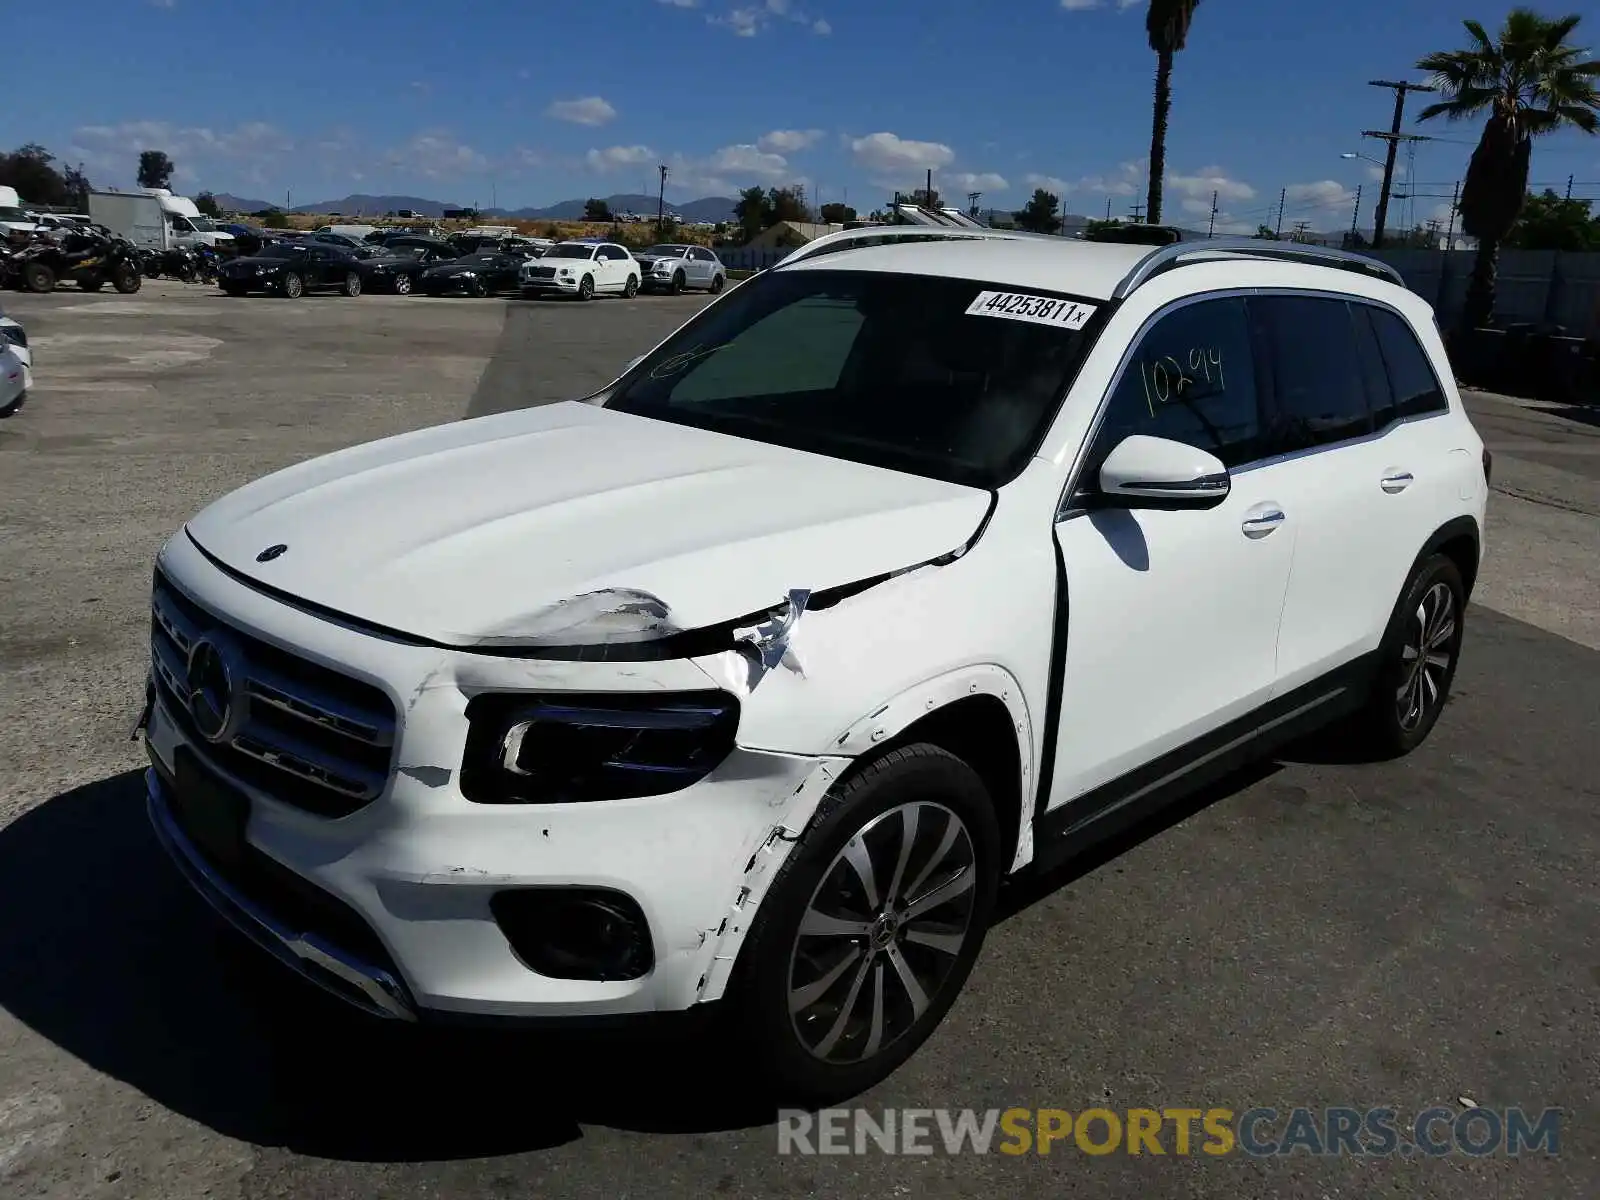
1192, 379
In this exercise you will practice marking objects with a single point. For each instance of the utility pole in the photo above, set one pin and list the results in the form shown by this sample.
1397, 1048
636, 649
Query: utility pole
1455, 199
1136, 212
661, 203
1569, 187
972, 204
1394, 137
1301, 228
1355, 217
1212, 231
1283, 198
1108, 208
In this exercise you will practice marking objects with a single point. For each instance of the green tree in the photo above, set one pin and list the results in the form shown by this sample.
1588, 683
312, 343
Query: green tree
28, 169
753, 212
272, 218
1095, 228
1549, 222
1166, 25
925, 198
787, 204
596, 210
1529, 80
1041, 214
155, 169
1266, 233
77, 187
837, 214
207, 204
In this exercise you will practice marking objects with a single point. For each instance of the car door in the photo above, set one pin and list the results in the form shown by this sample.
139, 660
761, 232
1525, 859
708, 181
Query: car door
1353, 472
613, 274
1172, 616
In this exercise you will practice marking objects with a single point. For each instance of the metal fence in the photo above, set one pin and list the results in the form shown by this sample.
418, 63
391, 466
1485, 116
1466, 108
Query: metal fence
751, 258
1541, 287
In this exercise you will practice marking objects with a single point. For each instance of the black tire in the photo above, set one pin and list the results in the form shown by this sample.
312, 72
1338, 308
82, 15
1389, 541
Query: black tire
91, 283
351, 285
11, 410
36, 277
1412, 684
631, 288
126, 278
586, 288
293, 286
718, 283
402, 285
678, 284
938, 786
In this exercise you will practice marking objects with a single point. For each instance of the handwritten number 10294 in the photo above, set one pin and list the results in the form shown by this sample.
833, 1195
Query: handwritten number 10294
1168, 377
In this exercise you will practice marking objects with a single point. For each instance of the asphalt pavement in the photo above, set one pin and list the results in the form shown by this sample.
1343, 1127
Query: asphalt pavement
1317, 932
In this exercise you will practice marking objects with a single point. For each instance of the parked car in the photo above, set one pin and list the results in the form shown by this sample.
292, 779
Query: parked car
247, 239
582, 269
293, 268
398, 268
12, 334
13, 380
675, 268
345, 241
472, 275
916, 563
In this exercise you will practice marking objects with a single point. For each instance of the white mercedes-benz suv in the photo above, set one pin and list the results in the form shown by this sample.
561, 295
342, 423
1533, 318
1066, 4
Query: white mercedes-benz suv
913, 563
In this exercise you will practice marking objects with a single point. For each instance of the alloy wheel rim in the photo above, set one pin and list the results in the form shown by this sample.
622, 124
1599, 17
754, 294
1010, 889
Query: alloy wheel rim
882, 932
402, 284
292, 286
1425, 656
352, 284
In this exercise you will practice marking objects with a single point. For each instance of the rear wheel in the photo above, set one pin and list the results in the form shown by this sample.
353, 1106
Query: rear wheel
351, 285
37, 277
10, 410
126, 278
1417, 662
293, 286
872, 926
718, 283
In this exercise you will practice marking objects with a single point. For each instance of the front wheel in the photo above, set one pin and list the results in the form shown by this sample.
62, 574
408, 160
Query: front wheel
11, 410
351, 285
402, 285
293, 286
37, 277
872, 926
1417, 662
677, 284
718, 283
126, 278
631, 288
586, 288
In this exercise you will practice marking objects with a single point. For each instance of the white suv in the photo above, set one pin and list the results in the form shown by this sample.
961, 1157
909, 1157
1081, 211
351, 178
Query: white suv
917, 561
581, 269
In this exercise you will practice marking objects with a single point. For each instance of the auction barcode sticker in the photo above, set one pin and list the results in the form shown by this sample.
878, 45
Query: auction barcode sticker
1041, 310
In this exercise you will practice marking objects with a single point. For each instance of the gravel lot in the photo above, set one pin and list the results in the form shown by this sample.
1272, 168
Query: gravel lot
1317, 932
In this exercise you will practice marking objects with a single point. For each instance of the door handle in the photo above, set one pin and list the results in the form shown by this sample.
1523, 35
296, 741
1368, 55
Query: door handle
1262, 520
1397, 481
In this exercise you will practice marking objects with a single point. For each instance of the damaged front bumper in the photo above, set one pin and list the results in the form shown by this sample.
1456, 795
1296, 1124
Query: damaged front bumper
403, 921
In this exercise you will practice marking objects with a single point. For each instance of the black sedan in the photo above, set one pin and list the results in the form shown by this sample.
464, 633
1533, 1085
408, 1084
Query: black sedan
293, 268
397, 268
472, 275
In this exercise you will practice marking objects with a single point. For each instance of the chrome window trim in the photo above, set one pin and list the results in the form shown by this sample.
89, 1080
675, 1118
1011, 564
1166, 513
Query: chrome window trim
1066, 510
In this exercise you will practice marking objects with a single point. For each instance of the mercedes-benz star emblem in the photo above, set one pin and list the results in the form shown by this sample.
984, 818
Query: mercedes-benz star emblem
216, 703
271, 552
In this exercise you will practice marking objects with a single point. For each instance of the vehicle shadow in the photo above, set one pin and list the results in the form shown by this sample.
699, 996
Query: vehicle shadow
105, 951
1588, 414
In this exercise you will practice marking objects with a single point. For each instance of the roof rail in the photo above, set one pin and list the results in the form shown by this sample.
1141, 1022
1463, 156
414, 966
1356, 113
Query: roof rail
1181, 254
887, 235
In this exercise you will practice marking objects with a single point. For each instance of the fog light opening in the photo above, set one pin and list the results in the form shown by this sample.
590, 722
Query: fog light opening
588, 934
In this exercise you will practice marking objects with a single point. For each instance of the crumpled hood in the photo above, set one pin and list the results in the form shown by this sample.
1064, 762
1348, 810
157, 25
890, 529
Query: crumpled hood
460, 532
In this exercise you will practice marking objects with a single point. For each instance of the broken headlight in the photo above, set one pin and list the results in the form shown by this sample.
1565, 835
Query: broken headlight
560, 749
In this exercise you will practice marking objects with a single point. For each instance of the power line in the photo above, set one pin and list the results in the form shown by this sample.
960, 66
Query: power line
1394, 137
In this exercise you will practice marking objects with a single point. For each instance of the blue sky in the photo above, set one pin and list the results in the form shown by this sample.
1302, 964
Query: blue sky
526, 102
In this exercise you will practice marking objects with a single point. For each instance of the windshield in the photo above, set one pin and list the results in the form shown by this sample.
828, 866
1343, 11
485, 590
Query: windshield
947, 378
666, 251
283, 250
569, 252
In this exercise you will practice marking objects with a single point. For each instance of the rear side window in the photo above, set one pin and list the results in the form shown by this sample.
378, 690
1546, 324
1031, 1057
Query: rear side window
1192, 379
1380, 396
1318, 393
1416, 389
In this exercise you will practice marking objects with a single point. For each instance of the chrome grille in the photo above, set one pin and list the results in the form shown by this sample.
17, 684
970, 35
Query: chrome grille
539, 272
309, 736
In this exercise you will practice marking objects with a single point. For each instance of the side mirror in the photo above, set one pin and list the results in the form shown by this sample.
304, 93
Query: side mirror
1152, 472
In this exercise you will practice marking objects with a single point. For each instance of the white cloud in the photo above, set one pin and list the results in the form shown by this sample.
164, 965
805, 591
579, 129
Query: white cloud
615, 157
1203, 182
437, 155
1126, 180
821, 28
787, 141
590, 110
892, 158
1050, 183
1324, 193
113, 150
1082, 5
682, 3
749, 161
747, 20
973, 181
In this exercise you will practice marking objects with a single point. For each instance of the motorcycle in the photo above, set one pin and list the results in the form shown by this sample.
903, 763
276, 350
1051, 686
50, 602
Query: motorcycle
89, 257
178, 262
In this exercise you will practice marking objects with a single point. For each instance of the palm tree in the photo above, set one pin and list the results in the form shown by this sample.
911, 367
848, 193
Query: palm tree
1529, 80
1167, 25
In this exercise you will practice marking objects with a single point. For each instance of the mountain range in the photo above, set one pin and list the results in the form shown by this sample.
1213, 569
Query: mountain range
709, 208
